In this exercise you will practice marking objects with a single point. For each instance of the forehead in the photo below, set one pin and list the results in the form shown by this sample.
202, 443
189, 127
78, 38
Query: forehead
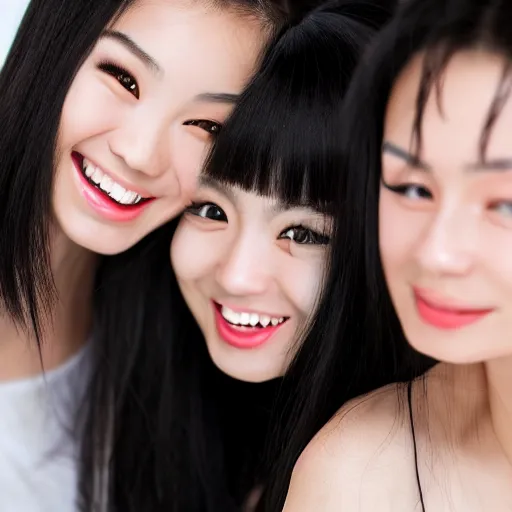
453, 121
194, 42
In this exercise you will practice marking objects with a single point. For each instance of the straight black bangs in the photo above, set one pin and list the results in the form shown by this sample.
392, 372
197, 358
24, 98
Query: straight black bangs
282, 139
480, 26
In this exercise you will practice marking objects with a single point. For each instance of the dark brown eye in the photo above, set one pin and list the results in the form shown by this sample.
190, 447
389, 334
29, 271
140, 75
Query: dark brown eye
122, 76
208, 211
210, 127
304, 236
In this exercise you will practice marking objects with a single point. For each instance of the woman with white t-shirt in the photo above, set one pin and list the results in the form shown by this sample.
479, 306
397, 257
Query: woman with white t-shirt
107, 109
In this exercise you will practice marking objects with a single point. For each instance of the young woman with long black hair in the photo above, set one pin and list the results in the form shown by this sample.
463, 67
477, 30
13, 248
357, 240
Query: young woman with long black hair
107, 110
430, 160
249, 256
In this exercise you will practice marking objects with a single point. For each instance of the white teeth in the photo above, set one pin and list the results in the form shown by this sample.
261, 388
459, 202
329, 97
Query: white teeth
109, 186
106, 183
244, 318
252, 319
89, 168
97, 176
117, 192
128, 197
264, 320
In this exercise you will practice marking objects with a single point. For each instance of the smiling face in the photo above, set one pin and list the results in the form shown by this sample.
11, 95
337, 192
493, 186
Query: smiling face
140, 115
250, 271
446, 220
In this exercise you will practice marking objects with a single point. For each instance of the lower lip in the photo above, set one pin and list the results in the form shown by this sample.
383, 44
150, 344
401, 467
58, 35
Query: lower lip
101, 203
448, 318
243, 337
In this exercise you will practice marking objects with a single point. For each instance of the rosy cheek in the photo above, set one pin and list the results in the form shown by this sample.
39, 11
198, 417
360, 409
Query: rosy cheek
91, 103
303, 283
395, 226
193, 253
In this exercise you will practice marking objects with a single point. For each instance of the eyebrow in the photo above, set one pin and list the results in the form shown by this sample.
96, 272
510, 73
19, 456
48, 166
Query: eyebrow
218, 97
409, 158
134, 48
495, 165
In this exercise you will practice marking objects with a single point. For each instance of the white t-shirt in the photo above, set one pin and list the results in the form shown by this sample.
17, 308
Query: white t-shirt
39, 451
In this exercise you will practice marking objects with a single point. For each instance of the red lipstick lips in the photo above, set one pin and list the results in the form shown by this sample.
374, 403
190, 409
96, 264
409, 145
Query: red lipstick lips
244, 337
443, 314
101, 202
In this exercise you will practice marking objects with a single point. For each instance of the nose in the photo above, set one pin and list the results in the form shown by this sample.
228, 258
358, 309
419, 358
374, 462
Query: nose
449, 246
246, 268
143, 143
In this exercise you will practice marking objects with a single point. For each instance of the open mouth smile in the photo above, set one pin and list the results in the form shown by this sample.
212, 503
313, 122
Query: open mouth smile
98, 178
245, 329
107, 197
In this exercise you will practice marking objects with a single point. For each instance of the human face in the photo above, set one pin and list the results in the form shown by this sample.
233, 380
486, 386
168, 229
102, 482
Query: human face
446, 220
245, 261
140, 115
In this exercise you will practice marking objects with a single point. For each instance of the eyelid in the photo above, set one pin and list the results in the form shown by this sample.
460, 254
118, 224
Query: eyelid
217, 125
112, 68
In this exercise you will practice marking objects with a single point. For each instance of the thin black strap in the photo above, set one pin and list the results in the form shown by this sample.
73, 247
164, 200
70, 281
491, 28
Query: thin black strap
409, 400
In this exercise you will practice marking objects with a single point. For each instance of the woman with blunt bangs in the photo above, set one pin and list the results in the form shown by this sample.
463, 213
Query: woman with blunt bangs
249, 257
429, 156
107, 110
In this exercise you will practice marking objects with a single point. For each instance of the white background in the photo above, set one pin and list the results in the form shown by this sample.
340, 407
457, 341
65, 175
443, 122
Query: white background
11, 12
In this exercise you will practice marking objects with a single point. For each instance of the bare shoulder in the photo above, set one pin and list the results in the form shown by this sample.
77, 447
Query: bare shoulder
363, 459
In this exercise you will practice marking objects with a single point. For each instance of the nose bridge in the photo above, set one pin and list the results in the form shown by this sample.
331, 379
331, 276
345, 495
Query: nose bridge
143, 142
246, 266
451, 240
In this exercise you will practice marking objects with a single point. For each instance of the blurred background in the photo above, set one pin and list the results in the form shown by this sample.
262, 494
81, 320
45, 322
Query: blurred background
11, 12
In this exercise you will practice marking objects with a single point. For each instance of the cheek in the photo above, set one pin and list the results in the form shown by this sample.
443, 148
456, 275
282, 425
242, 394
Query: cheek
302, 283
194, 254
398, 234
497, 248
89, 109
188, 156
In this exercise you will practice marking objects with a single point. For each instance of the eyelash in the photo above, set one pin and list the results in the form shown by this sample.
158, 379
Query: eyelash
128, 82
125, 78
404, 188
211, 127
195, 209
312, 237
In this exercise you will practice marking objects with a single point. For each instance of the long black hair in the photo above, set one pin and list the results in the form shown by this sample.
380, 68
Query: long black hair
349, 354
196, 437
53, 40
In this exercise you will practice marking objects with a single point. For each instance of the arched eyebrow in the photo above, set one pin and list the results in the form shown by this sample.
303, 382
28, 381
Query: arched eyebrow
133, 48
409, 158
494, 165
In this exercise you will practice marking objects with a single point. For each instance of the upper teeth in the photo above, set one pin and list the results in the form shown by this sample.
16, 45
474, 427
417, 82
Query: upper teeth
243, 318
108, 185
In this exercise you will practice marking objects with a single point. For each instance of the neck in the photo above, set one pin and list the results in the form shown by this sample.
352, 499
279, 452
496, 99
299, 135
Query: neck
499, 386
66, 332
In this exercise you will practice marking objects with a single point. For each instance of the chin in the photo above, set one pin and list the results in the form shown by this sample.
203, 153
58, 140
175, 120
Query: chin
236, 371
101, 241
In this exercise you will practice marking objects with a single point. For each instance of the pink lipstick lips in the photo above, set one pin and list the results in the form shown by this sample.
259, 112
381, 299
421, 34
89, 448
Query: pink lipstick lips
243, 336
101, 201
445, 315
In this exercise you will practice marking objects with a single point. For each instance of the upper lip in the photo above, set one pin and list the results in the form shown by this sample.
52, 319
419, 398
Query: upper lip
128, 186
439, 301
249, 310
